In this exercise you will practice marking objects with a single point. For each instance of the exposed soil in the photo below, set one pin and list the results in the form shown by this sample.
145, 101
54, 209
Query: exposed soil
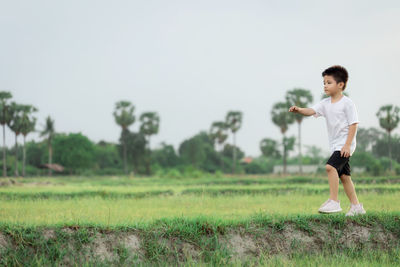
239, 243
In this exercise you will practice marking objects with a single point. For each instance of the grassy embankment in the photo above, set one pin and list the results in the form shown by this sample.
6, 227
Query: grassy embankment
245, 220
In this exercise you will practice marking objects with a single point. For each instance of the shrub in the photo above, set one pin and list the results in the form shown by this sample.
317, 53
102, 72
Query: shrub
173, 173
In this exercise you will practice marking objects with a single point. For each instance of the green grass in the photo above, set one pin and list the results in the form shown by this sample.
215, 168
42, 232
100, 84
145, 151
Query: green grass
207, 180
80, 194
47, 201
344, 258
125, 211
190, 209
193, 230
135, 192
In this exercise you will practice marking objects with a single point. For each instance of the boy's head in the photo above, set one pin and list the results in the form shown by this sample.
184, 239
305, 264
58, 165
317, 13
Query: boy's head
335, 79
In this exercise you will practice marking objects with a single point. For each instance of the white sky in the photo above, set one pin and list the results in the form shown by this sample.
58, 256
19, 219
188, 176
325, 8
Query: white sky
193, 61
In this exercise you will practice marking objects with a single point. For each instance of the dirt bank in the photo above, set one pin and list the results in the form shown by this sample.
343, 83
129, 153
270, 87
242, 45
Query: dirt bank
180, 241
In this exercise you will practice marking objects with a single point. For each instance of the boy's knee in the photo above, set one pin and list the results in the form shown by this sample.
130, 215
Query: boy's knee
345, 178
329, 168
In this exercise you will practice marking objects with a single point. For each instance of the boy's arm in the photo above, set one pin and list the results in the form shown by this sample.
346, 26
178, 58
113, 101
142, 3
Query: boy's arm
302, 111
345, 151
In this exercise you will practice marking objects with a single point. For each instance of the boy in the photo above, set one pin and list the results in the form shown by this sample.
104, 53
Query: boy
341, 120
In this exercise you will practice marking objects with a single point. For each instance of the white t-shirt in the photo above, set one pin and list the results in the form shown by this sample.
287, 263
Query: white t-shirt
339, 116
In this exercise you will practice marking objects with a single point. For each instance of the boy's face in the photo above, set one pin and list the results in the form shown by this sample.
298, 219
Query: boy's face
331, 87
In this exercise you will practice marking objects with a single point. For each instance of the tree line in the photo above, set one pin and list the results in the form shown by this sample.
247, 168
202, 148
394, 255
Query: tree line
208, 150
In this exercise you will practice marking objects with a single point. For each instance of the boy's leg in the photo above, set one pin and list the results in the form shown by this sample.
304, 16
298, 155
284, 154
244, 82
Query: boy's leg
333, 178
349, 188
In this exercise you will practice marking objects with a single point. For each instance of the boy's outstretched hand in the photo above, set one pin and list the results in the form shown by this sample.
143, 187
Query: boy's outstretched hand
295, 109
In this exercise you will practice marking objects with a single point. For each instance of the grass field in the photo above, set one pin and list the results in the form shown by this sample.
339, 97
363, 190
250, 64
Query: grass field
183, 209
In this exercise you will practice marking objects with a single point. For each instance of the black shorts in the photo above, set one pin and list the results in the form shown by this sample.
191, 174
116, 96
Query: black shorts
341, 164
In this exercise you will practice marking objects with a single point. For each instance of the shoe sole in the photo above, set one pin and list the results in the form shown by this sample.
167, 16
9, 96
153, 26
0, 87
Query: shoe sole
330, 211
359, 213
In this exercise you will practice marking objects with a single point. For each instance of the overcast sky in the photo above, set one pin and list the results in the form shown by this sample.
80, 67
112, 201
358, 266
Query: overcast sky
193, 61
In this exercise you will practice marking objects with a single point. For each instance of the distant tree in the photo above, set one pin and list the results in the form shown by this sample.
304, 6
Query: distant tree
233, 121
48, 132
150, 122
388, 116
28, 123
107, 156
192, 151
367, 138
260, 165
288, 145
74, 151
124, 117
16, 111
35, 152
301, 98
5, 118
165, 156
315, 153
379, 149
282, 118
199, 152
269, 148
218, 133
135, 143
230, 149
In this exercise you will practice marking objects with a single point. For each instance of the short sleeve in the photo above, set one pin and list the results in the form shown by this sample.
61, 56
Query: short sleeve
351, 113
319, 110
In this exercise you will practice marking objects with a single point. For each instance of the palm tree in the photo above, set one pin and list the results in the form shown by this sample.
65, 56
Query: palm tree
389, 119
124, 117
150, 125
5, 118
301, 98
233, 121
282, 118
288, 144
27, 126
49, 131
16, 111
218, 133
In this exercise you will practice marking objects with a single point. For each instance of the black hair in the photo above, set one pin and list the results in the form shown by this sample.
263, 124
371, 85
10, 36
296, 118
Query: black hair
339, 73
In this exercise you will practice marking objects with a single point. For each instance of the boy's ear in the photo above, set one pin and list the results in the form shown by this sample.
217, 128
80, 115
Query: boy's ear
341, 85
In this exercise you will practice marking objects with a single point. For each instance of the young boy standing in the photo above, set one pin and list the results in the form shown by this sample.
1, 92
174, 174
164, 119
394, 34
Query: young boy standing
341, 120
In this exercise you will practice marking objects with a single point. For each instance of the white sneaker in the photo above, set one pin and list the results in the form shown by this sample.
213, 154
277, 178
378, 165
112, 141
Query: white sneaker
331, 206
356, 209
323, 204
